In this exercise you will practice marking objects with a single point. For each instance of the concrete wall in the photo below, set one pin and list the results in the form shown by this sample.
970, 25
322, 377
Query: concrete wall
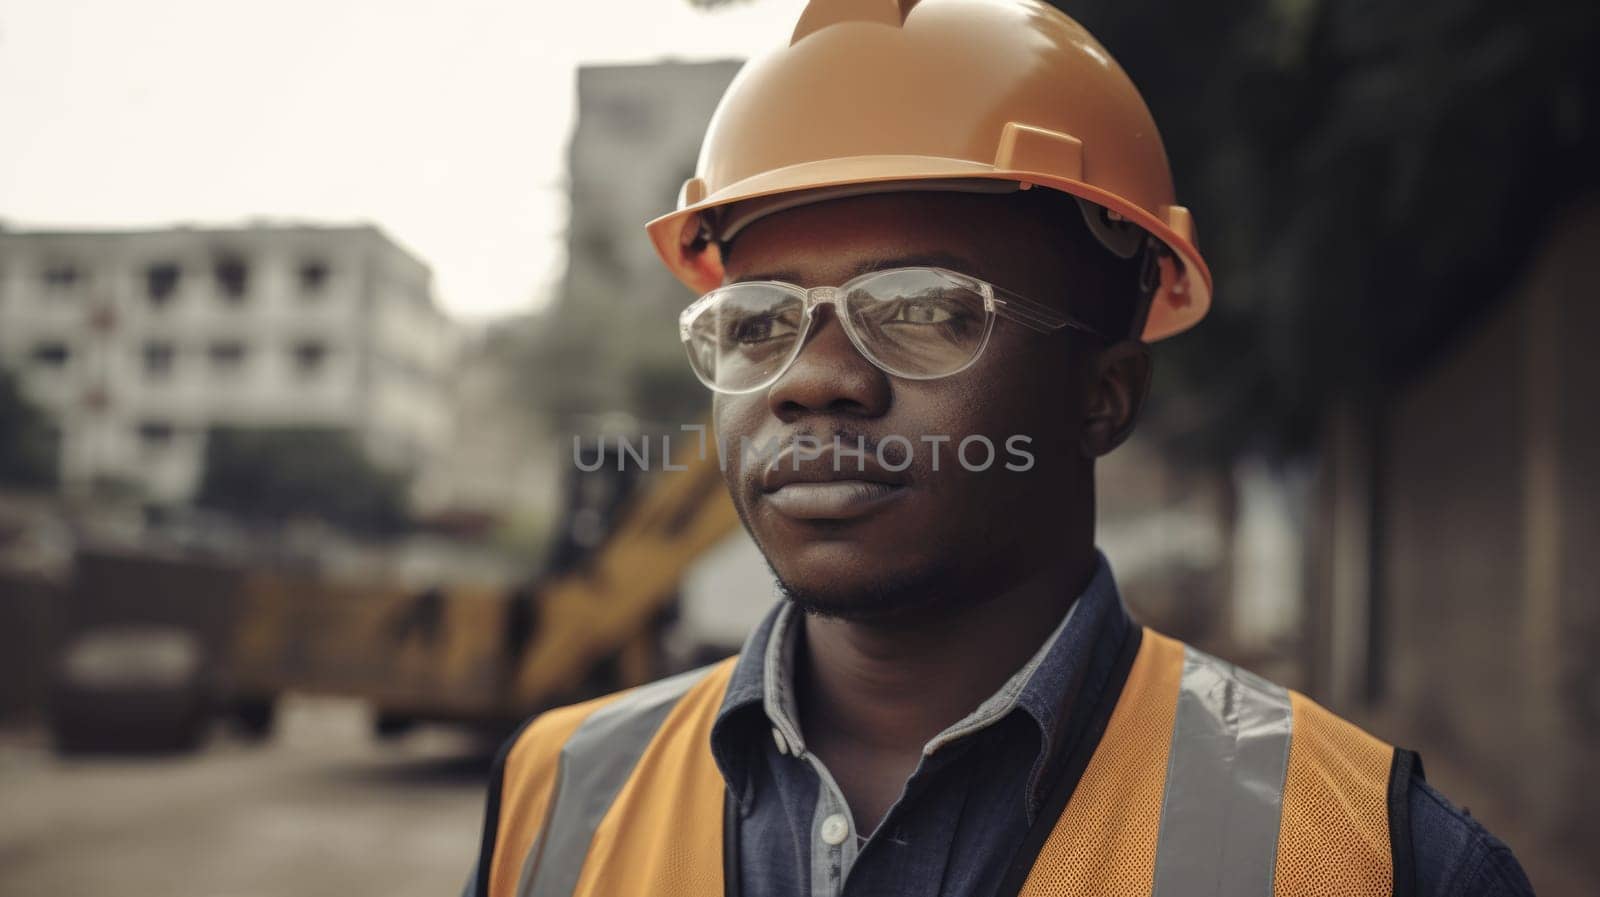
1484, 538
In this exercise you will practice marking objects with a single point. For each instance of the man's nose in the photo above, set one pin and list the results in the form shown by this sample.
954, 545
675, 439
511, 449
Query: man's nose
830, 376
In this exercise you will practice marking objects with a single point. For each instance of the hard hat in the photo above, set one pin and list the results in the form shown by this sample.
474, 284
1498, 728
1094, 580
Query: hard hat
877, 95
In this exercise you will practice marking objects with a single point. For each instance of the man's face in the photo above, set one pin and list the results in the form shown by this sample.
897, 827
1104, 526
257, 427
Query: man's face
954, 534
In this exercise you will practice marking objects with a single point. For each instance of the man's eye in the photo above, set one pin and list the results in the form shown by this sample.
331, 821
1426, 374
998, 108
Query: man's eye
752, 329
921, 311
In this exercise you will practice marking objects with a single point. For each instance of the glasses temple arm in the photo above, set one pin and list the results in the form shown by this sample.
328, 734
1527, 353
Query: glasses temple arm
1034, 315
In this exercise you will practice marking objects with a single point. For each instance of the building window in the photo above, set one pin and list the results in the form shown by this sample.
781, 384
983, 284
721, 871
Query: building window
313, 278
61, 277
159, 358
155, 435
161, 282
52, 354
310, 357
97, 398
233, 278
228, 356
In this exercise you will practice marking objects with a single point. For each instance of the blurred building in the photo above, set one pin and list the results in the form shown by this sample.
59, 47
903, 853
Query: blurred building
637, 138
138, 342
528, 384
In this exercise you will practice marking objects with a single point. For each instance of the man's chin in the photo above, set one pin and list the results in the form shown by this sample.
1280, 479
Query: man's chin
879, 598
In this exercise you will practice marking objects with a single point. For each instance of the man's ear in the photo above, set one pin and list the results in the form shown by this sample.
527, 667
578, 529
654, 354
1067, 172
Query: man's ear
1118, 380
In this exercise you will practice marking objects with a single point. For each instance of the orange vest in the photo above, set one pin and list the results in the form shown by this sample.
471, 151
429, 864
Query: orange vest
1207, 780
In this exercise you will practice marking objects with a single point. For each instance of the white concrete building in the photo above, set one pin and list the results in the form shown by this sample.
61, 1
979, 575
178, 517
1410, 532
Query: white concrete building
138, 341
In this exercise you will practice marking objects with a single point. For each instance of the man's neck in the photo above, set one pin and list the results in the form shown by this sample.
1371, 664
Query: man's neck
890, 686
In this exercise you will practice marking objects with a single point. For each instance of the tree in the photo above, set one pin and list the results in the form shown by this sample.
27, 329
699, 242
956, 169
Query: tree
274, 475
1367, 177
28, 444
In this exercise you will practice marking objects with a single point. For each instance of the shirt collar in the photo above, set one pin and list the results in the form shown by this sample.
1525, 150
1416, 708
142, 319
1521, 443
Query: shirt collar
763, 678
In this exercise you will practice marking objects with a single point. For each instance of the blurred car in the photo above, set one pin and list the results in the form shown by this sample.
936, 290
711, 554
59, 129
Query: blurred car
134, 687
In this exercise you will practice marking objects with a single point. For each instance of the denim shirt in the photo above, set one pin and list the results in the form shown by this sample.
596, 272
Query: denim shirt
978, 785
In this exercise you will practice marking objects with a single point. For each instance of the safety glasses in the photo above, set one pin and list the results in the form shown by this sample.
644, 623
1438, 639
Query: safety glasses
919, 323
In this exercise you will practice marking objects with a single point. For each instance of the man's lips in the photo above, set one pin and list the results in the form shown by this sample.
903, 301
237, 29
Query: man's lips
829, 485
835, 500
824, 465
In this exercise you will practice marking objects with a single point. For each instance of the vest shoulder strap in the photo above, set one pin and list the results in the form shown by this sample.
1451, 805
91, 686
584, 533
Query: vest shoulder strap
1212, 781
1335, 837
1223, 796
571, 782
1104, 841
526, 779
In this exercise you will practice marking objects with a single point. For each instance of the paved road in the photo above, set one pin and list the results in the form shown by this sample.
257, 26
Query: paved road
322, 809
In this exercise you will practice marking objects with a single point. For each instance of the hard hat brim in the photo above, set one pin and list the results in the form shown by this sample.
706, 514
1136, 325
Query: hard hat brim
678, 237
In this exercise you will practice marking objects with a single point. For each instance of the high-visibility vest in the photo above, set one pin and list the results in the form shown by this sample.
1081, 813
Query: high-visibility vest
1206, 780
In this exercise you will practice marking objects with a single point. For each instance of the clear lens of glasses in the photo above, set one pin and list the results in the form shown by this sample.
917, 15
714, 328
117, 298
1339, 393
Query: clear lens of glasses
917, 323
744, 337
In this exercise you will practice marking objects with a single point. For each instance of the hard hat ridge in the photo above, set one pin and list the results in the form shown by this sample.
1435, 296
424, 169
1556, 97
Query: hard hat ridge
820, 14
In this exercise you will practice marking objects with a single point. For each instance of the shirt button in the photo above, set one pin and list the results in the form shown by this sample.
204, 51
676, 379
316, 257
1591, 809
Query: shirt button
783, 743
835, 829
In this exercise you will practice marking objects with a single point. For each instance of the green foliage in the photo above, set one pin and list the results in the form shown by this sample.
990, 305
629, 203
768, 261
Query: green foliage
28, 444
1367, 179
274, 475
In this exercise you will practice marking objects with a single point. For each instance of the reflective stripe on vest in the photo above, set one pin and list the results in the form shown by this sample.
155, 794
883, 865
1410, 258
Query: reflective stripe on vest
1207, 781
594, 764
1224, 788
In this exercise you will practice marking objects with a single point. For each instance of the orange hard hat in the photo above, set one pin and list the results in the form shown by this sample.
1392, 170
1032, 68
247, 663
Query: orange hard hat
877, 95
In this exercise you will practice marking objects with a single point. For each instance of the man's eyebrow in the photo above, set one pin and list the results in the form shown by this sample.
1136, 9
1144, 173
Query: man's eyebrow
926, 259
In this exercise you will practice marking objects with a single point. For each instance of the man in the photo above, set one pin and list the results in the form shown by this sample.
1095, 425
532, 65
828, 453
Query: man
933, 239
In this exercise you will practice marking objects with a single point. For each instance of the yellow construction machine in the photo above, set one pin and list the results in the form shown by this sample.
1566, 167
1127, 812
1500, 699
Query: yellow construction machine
157, 647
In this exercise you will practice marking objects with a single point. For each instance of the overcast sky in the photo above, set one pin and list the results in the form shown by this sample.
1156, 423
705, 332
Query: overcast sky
446, 123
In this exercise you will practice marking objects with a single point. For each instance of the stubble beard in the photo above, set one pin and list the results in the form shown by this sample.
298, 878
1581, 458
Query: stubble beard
934, 589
